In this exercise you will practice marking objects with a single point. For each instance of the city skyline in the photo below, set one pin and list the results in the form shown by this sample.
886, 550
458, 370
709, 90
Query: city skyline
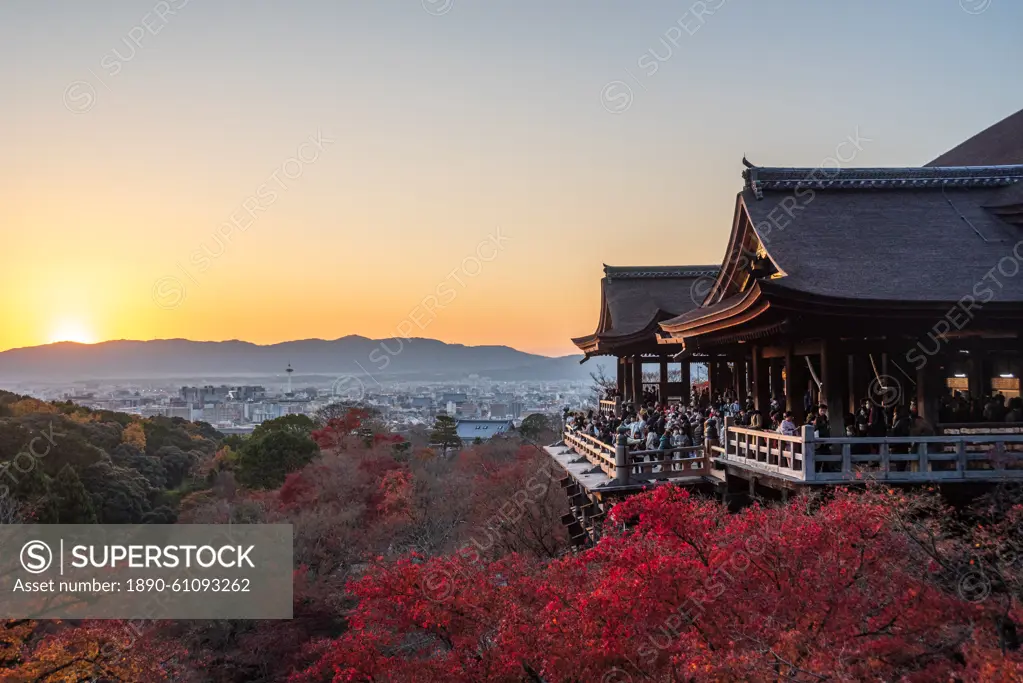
430, 183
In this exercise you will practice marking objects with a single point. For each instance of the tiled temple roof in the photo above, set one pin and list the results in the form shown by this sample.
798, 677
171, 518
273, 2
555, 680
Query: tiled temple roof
765, 178
635, 298
1001, 143
628, 272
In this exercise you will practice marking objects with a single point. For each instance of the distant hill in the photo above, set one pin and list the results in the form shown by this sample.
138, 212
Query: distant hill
395, 358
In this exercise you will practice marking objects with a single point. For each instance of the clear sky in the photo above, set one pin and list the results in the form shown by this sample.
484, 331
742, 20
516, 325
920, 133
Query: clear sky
457, 169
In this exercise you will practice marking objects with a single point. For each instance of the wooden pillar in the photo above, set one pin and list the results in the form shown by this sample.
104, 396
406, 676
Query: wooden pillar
761, 380
834, 374
712, 378
637, 380
777, 384
853, 381
662, 389
620, 379
979, 377
928, 387
792, 396
740, 379
798, 382
687, 383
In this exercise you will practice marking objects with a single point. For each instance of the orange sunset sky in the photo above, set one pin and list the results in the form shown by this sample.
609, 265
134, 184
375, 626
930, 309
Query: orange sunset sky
147, 190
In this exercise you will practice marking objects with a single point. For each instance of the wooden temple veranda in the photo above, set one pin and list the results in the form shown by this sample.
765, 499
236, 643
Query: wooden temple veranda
896, 285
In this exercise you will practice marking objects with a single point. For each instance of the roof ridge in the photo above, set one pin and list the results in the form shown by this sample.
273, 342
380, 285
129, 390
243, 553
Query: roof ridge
760, 178
659, 271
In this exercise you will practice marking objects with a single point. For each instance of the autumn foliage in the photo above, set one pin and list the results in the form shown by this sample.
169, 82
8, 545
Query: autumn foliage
110, 650
338, 431
837, 590
413, 565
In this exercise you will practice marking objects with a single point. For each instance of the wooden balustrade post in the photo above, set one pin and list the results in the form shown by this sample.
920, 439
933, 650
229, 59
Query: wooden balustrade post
622, 465
809, 471
726, 434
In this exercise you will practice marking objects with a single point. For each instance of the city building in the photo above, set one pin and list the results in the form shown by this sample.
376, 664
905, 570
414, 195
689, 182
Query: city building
484, 430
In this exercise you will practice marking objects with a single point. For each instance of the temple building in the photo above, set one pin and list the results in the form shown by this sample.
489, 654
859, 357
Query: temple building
633, 303
872, 280
901, 286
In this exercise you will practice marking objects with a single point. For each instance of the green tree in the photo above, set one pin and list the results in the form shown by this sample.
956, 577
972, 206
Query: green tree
536, 426
445, 432
295, 423
265, 462
176, 464
74, 505
120, 495
29, 485
161, 515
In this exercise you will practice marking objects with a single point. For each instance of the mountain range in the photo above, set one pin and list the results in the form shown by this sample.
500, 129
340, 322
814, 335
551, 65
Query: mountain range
392, 359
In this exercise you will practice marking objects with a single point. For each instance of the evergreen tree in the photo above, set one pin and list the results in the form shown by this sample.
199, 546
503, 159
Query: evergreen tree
31, 487
72, 500
265, 462
445, 432
536, 426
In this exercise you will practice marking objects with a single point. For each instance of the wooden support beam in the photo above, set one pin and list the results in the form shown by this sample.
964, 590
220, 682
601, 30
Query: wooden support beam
687, 383
834, 375
928, 388
741, 380
798, 383
853, 381
662, 388
637, 380
620, 377
979, 377
777, 384
761, 391
792, 395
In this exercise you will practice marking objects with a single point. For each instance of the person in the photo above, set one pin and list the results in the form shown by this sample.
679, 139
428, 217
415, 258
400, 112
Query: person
756, 420
994, 411
788, 424
862, 420
710, 428
1015, 413
652, 440
878, 421
822, 429
901, 426
636, 429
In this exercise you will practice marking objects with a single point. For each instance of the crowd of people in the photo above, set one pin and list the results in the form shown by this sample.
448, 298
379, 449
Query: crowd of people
653, 425
959, 407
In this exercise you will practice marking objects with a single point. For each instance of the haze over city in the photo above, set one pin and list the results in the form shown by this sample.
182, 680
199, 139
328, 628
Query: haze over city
490, 156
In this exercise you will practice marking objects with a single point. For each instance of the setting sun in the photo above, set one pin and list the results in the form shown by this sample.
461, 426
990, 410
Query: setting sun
72, 331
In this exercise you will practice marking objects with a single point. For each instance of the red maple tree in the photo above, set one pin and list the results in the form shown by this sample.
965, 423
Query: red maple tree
829, 590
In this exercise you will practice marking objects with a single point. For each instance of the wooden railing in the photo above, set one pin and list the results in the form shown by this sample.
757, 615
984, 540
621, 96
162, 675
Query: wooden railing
593, 449
766, 451
670, 463
984, 457
610, 407
980, 428
639, 466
